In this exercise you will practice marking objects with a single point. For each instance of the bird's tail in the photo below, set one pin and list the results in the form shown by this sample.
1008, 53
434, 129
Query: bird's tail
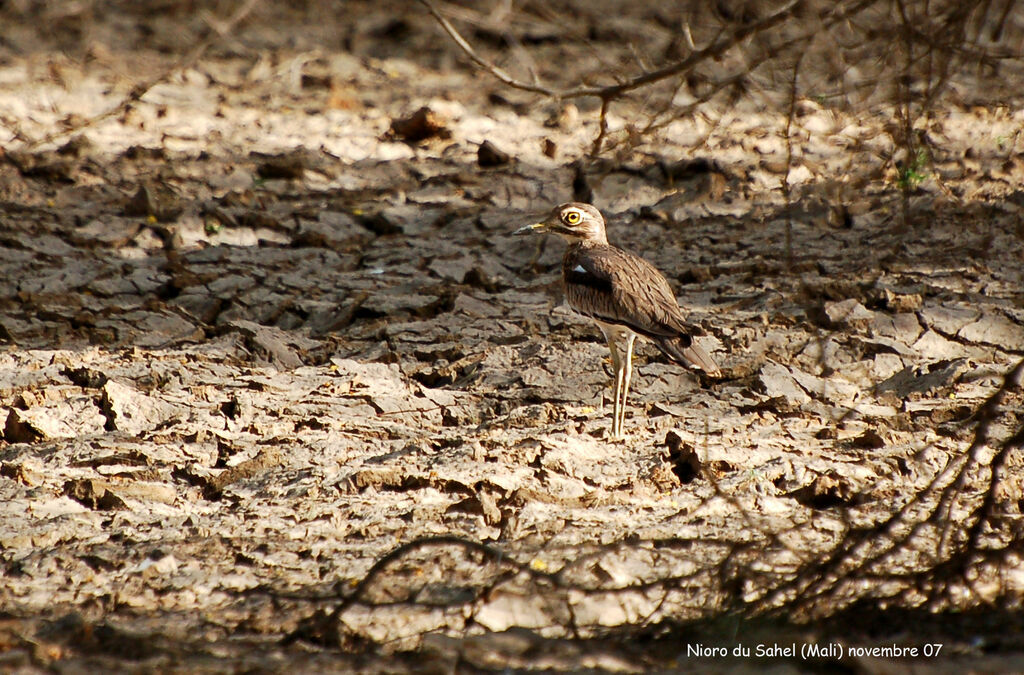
683, 349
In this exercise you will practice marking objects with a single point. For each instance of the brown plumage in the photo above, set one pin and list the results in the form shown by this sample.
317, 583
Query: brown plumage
624, 294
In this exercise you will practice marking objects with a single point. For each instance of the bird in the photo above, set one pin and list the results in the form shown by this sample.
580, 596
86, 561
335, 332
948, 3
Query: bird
625, 295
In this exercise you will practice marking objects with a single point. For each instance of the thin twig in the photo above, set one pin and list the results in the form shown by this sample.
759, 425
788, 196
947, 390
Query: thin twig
602, 129
786, 194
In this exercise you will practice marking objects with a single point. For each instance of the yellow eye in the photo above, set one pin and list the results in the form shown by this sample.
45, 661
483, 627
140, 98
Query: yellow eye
572, 217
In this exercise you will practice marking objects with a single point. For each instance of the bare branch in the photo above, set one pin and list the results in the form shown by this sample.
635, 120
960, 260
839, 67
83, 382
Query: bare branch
714, 50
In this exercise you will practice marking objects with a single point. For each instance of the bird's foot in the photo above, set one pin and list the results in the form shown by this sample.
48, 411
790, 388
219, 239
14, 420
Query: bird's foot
617, 436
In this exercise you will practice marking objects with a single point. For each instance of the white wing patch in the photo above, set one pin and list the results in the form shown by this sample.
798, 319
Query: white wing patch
579, 269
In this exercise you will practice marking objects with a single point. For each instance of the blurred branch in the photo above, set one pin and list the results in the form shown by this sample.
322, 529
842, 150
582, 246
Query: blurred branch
216, 30
479, 60
716, 49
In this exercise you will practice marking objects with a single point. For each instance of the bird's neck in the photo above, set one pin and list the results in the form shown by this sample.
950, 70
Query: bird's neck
593, 240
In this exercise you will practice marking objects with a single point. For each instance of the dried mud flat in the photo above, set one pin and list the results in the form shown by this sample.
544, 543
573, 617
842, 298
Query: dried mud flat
253, 340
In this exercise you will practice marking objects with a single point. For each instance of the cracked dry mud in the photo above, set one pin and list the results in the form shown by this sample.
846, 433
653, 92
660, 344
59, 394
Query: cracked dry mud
255, 337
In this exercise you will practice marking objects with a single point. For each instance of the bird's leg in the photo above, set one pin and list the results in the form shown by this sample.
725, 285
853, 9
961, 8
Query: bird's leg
620, 377
627, 374
617, 367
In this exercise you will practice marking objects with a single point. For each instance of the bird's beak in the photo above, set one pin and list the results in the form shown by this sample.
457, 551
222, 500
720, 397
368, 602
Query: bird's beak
529, 228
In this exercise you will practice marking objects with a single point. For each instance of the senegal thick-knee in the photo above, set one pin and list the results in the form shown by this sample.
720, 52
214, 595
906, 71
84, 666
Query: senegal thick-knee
625, 295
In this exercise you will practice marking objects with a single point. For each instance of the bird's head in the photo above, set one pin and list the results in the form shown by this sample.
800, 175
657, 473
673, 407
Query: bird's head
573, 222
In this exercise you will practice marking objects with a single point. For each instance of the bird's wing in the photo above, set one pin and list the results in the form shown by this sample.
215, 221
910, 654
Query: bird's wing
615, 286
